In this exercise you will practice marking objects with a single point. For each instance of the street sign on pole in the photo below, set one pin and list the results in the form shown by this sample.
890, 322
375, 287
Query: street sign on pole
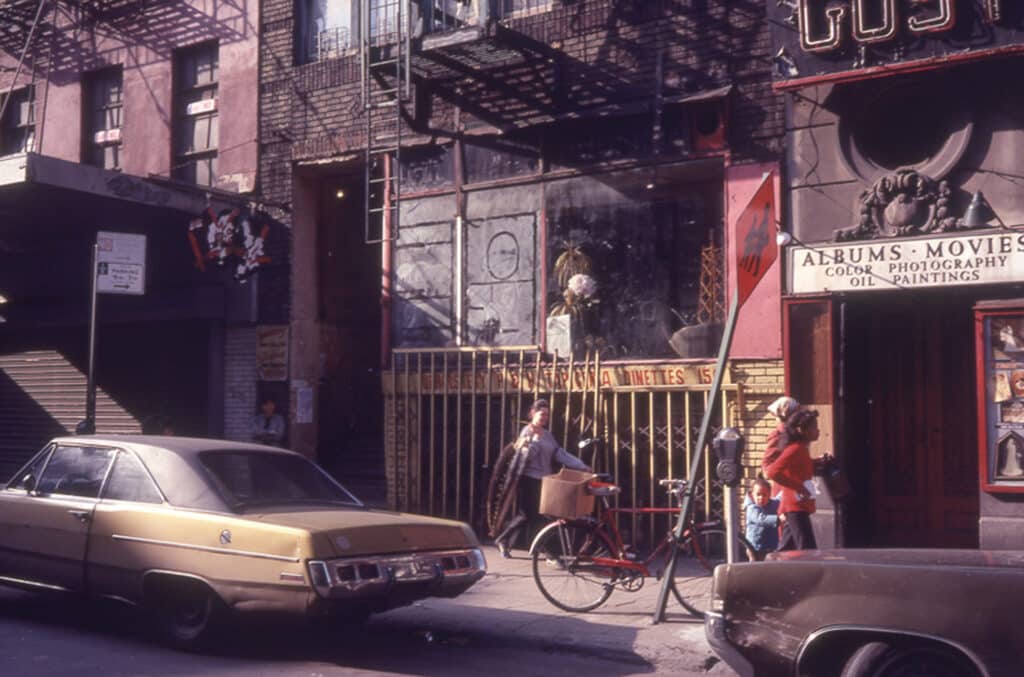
756, 250
756, 246
121, 263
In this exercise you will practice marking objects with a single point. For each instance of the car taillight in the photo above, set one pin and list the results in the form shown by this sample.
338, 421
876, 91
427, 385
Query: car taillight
320, 577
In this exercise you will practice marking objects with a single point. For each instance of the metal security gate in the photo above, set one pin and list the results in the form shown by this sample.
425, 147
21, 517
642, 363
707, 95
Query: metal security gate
449, 412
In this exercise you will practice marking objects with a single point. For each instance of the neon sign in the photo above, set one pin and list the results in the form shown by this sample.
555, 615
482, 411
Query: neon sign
822, 26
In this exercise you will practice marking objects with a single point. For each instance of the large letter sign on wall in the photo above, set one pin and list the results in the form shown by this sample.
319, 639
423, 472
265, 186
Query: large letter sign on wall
825, 39
756, 247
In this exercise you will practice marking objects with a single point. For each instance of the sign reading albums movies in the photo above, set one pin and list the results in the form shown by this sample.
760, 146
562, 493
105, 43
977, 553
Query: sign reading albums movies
979, 258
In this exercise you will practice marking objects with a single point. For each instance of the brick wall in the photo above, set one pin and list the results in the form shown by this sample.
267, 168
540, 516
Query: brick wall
763, 381
584, 51
239, 382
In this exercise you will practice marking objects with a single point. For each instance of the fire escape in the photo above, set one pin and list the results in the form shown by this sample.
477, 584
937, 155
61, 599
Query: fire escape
405, 44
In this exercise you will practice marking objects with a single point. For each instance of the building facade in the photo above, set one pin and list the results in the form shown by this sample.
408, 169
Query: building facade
903, 280
131, 126
494, 201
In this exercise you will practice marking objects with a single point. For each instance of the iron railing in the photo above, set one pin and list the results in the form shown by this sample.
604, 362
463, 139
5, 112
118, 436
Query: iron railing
448, 413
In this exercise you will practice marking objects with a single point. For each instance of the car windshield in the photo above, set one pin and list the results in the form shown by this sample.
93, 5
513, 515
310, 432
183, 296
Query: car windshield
248, 478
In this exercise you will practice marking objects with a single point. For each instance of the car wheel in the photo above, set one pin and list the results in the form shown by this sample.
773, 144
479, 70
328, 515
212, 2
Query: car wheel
882, 659
187, 613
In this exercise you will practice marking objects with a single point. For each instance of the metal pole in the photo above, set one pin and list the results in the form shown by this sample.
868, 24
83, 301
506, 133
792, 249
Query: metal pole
732, 522
90, 388
687, 506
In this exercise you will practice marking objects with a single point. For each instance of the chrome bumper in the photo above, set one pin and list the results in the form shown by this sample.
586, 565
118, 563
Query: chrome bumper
714, 630
422, 574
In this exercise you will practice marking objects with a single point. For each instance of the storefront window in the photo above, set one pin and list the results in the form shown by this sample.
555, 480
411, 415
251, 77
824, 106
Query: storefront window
624, 260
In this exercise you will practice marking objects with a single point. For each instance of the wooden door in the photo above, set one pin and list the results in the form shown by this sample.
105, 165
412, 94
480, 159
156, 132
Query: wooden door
915, 368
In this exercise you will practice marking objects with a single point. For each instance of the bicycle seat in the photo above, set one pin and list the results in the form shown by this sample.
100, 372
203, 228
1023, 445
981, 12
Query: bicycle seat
603, 489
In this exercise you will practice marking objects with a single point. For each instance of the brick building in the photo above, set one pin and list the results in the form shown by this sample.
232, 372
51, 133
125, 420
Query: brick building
490, 201
129, 118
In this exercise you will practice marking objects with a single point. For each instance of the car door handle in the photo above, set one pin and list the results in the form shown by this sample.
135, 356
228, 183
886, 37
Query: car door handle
82, 515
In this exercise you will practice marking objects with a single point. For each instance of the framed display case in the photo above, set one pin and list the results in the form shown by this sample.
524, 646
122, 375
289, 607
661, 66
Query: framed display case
999, 330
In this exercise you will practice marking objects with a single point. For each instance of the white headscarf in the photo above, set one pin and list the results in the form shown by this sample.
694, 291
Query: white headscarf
783, 408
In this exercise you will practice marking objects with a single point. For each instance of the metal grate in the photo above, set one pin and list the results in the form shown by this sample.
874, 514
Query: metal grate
448, 413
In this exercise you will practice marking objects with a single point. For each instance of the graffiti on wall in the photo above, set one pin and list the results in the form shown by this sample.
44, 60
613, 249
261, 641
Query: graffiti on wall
230, 238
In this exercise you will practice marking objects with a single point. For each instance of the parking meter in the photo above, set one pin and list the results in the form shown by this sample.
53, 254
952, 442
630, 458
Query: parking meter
728, 447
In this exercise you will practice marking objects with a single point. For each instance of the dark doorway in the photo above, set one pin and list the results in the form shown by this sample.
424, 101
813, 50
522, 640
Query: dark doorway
351, 406
909, 423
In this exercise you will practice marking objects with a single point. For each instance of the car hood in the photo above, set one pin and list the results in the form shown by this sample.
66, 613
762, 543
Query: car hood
908, 557
353, 533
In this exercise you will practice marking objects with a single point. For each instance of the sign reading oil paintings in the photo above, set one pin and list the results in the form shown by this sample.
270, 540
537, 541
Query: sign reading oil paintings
847, 38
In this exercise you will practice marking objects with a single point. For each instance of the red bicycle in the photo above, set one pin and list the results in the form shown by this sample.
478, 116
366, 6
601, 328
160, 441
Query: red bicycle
578, 563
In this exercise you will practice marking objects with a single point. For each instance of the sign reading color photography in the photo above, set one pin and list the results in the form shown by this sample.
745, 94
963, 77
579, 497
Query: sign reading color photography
978, 258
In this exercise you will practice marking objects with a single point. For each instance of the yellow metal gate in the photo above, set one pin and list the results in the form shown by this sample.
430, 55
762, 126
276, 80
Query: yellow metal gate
449, 412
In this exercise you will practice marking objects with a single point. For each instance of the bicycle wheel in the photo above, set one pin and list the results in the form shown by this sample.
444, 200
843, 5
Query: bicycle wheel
699, 554
564, 570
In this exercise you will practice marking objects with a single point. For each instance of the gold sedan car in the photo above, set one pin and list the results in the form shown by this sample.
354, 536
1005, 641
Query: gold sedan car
196, 530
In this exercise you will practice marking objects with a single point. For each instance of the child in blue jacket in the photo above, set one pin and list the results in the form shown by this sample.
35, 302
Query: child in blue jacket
762, 513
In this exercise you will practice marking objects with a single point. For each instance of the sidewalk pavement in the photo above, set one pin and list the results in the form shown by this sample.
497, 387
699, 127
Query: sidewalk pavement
506, 607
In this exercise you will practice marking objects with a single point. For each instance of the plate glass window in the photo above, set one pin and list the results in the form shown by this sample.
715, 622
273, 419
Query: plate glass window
196, 115
104, 118
18, 124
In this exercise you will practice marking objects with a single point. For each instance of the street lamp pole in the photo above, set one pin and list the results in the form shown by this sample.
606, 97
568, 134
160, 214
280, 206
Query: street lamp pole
88, 426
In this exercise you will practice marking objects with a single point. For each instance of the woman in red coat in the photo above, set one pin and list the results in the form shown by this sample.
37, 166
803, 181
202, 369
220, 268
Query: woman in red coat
792, 469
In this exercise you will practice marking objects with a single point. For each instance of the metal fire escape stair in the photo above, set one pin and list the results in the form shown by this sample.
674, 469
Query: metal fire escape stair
385, 48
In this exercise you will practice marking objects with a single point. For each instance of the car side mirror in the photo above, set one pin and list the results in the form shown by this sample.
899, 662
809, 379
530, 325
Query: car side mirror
29, 482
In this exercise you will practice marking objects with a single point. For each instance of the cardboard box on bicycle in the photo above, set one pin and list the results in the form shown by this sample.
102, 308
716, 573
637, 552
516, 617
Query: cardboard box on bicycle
564, 494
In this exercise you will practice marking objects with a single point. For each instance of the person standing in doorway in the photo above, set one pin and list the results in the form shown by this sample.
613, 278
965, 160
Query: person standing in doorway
537, 452
268, 426
792, 470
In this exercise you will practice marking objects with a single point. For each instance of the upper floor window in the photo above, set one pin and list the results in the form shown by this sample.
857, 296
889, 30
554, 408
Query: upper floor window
511, 8
325, 28
18, 125
104, 111
195, 114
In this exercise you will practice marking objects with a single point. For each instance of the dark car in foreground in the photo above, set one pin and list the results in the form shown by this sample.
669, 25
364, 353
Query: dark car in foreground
199, 531
883, 613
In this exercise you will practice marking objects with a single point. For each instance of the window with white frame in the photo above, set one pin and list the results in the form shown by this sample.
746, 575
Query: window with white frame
18, 125
104, 116
325, 28
511, 8
195, 114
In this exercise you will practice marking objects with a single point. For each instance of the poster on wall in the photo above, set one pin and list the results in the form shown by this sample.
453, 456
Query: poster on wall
272, 352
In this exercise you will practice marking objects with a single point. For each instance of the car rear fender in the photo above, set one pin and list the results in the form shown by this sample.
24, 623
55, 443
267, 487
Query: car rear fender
825, 650
154, 578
